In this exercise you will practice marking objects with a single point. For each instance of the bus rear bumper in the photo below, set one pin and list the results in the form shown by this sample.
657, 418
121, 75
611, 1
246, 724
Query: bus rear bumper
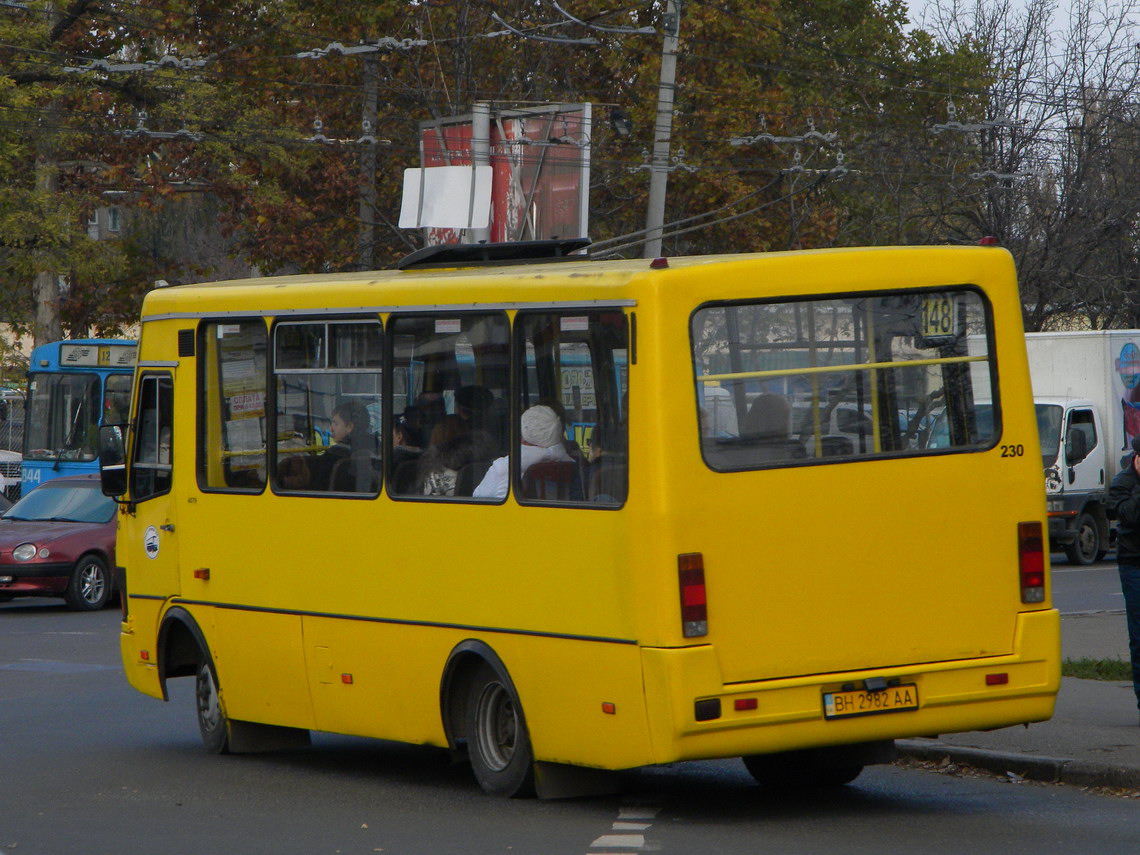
694, 715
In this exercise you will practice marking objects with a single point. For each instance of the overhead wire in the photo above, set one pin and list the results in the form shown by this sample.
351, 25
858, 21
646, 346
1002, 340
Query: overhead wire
351, 89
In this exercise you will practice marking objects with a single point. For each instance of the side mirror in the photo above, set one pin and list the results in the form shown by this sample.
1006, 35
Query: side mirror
113, 460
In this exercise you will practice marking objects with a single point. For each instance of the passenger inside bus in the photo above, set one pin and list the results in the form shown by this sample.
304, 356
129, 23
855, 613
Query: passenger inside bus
347, 465
606, 478
767, 430
405, 442
476, 406
409, 426
456, 452
431, 409
571, 445
542, 442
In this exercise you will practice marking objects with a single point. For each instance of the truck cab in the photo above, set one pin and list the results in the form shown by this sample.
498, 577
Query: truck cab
1076, 457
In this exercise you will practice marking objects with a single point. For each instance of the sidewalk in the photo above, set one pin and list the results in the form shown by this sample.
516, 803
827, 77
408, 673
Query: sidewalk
1093, 738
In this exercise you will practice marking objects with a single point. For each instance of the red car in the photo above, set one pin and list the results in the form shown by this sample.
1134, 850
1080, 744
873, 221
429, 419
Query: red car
59, 541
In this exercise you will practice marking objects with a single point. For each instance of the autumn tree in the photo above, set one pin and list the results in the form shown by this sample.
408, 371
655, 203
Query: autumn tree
1057, 148
277, 132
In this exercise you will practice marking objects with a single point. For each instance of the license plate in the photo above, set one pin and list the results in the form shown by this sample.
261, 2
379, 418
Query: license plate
890, 699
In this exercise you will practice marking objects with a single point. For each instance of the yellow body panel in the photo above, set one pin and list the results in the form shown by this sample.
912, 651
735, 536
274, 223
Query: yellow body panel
817, 576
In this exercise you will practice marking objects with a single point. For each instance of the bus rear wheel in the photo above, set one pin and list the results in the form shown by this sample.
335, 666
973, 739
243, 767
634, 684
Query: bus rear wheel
498, 743
212, 722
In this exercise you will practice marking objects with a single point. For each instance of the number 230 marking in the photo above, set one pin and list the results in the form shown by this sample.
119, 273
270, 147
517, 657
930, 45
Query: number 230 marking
1013, 450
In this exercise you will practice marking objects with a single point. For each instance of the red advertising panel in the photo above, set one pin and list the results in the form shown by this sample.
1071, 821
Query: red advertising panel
540, 160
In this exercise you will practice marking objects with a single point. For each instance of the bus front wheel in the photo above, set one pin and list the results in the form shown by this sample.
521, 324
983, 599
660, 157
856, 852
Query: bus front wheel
212, 721
497, 740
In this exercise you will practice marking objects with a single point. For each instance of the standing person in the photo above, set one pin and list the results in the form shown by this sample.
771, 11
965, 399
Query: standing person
1124, 502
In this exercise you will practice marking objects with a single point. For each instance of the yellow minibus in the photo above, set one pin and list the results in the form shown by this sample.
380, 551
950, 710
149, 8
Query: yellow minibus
564, 516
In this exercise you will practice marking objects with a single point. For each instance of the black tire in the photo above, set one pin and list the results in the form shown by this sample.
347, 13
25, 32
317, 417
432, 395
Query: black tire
498, 743
1086, 548
774, 770
212, 721
89, 588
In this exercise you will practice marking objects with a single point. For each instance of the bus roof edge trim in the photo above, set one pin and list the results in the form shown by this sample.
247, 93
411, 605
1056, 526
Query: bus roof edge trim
392, 310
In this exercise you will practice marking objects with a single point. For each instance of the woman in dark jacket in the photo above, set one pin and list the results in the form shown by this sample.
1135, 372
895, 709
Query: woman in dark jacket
1124, 503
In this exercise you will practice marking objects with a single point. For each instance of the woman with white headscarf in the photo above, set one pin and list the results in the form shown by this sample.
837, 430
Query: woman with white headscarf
542, 442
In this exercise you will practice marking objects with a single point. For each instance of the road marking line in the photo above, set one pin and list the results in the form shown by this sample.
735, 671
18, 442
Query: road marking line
638, 812
630, 818
620, 841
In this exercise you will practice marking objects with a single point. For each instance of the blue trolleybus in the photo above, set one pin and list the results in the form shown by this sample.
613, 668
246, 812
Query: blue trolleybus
73, 387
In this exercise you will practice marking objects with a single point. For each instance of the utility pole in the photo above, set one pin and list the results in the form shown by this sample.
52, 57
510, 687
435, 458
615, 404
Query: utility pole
480, 155
662, 131
366, 234
47, 324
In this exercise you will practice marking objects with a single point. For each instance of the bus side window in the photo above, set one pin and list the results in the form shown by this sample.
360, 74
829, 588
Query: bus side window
233, 392
151, 468
327, 377
576, 364
449, 407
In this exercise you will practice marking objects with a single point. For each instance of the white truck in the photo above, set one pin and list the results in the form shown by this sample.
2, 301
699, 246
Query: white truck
1086, 386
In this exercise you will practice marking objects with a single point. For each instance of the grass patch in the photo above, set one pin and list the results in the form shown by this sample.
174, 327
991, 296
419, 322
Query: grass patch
1097, 669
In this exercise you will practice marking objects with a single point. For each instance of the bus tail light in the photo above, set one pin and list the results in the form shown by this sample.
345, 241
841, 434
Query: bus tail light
694, 606
1031, 562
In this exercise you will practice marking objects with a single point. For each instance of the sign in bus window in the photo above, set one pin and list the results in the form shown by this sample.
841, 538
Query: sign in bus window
841, 378
939, 320
231, 443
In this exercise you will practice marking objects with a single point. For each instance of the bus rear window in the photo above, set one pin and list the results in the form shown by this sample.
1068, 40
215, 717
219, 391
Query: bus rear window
786, 383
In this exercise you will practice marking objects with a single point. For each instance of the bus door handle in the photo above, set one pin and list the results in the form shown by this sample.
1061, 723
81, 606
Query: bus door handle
167, 527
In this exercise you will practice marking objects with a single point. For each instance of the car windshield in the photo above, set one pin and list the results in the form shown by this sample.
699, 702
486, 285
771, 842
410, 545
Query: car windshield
71, 503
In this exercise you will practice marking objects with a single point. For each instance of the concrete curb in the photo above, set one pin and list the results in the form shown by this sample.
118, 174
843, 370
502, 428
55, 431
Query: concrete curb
1054, 770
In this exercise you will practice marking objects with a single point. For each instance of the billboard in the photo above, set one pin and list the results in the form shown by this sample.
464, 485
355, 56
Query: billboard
540, 175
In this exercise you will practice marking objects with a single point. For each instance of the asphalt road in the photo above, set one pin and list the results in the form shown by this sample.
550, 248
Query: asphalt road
88, 766
1086, 590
